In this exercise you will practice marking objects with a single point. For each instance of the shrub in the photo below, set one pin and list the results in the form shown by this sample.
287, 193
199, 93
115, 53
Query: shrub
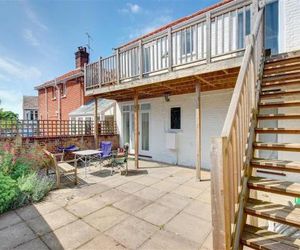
9, 192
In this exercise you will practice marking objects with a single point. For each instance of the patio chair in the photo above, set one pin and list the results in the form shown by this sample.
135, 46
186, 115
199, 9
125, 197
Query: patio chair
68, 149
106, 153
61, 168
120, 160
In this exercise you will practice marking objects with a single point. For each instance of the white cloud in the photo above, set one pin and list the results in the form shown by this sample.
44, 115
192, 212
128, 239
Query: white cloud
13, 70
33, 17
156, 23
30, 37
131, 8
11, 100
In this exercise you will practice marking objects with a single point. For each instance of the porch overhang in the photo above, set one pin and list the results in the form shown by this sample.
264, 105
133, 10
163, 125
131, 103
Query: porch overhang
214, 76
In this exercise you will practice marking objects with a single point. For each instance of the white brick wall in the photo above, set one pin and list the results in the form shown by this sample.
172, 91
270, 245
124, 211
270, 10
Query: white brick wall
289, 25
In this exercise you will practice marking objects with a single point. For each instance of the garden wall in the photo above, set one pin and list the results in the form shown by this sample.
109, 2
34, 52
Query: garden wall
83, 142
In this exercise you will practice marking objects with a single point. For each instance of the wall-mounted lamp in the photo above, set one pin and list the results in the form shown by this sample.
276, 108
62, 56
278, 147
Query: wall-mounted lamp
167, 97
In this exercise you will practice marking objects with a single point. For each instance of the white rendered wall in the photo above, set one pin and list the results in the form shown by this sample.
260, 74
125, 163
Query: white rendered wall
214, 109
289, 25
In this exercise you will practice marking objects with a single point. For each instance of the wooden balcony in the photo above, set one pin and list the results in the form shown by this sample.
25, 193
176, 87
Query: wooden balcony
186, 52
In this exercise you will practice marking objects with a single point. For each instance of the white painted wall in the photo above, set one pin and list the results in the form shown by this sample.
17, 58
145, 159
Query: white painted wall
214, 109
289, 25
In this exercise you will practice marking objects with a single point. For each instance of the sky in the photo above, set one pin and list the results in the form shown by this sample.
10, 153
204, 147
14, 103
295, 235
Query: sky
38, 38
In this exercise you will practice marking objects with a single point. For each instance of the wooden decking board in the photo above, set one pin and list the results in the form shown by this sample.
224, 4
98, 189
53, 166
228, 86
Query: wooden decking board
277, 130
278, 116
279, 93
282, 73
279, 104
293, 147
259, 238
282, 60
280, 165
275, 212
282, 66
275, 186
294, 75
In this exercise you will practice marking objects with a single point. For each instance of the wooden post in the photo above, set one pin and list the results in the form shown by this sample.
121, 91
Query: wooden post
198, 131
208, 37
136, 131
96, 132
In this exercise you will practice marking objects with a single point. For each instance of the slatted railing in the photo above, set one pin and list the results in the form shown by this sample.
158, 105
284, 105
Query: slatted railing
215, 35
231, 153
54, 128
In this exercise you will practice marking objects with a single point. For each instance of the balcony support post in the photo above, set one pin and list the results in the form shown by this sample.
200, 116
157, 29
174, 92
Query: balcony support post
198, 130
136, 130
96, 130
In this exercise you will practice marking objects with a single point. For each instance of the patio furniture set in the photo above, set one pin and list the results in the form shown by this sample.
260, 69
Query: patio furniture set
104, 156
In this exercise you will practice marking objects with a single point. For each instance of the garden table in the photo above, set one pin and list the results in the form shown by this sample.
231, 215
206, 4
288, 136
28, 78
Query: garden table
85, 156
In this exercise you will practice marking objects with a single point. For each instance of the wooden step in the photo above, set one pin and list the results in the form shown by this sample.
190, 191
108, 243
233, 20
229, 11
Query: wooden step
279, 104
277, 130
278, 84
274, 186
279, 93
283, 66
292, 147
259, 238
278, 116
282, 77
274, 212
284, 71
282, 59
279, 165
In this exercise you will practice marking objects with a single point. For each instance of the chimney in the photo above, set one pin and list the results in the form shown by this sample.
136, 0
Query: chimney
81, 57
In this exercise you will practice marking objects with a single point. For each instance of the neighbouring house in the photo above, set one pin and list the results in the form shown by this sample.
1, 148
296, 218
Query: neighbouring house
219, 90
63, 94
30, 108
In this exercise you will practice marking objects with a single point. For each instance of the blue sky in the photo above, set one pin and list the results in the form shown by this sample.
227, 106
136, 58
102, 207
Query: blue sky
38, 38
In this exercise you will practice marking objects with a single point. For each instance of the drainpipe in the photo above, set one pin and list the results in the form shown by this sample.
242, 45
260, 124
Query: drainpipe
46, 103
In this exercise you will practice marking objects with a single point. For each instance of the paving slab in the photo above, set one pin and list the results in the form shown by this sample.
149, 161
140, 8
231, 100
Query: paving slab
35, 244
189, 227
15, 235
199, 209
167, 240
70, 236
157, 214
85, 207
166, 186
51, 221
113, 195
131, 187
187, 191
9, 219
131, 204
179, 179
102, 242
150, 193
173, 200
205, 196
208, 243
132, 232
147, 180
35, 210
105, 218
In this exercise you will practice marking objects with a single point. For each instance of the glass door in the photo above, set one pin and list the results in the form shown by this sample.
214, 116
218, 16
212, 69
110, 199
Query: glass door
144, 132
271, 27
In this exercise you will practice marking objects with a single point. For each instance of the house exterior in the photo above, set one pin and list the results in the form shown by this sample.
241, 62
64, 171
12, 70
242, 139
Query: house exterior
58, 97
173, 86
30, 108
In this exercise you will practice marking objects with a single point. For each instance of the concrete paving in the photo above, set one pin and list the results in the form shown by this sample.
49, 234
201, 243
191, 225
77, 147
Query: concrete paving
157, 207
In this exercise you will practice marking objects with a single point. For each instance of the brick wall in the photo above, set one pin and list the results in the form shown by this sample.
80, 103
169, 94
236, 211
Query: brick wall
73, 100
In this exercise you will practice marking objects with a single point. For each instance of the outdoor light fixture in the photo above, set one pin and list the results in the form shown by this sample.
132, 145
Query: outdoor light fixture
167, 95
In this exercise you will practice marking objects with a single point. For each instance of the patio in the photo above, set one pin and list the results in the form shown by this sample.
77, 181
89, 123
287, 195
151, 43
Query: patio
159, 207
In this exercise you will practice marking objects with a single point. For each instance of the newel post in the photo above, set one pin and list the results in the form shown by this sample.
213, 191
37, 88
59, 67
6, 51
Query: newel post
219, 195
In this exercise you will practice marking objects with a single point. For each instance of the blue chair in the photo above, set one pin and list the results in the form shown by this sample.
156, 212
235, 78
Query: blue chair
106, 153
64, 150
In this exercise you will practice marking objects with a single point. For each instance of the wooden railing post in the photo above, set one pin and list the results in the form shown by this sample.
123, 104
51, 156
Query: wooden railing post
170, 49
117, 66
100, 72
208, 37
141, 59
219, 195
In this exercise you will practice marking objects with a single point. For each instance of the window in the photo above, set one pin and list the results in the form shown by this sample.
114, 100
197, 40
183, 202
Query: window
53, 92
36, 115
63, 90
271, 27
176, 118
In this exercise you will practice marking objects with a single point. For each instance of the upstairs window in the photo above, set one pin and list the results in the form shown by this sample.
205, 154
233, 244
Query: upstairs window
53, 93
175, 118
63, 89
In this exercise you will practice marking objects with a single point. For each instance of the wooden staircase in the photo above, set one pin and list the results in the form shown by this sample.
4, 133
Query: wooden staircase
280, 88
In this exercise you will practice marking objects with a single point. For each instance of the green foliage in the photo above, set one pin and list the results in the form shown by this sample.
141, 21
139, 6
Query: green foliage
9, 192
20, 169
8, 115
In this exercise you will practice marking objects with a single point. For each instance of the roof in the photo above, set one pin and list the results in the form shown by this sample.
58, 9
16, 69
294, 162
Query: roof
67, 76
180, 20
88, 109
30, 102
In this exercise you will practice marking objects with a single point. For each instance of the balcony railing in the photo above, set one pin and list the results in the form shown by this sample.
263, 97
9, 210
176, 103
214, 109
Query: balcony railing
211, 36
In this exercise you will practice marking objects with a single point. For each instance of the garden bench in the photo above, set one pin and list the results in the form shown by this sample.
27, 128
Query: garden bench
61, 167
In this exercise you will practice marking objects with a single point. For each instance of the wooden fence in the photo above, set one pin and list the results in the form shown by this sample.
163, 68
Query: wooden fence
54, 128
